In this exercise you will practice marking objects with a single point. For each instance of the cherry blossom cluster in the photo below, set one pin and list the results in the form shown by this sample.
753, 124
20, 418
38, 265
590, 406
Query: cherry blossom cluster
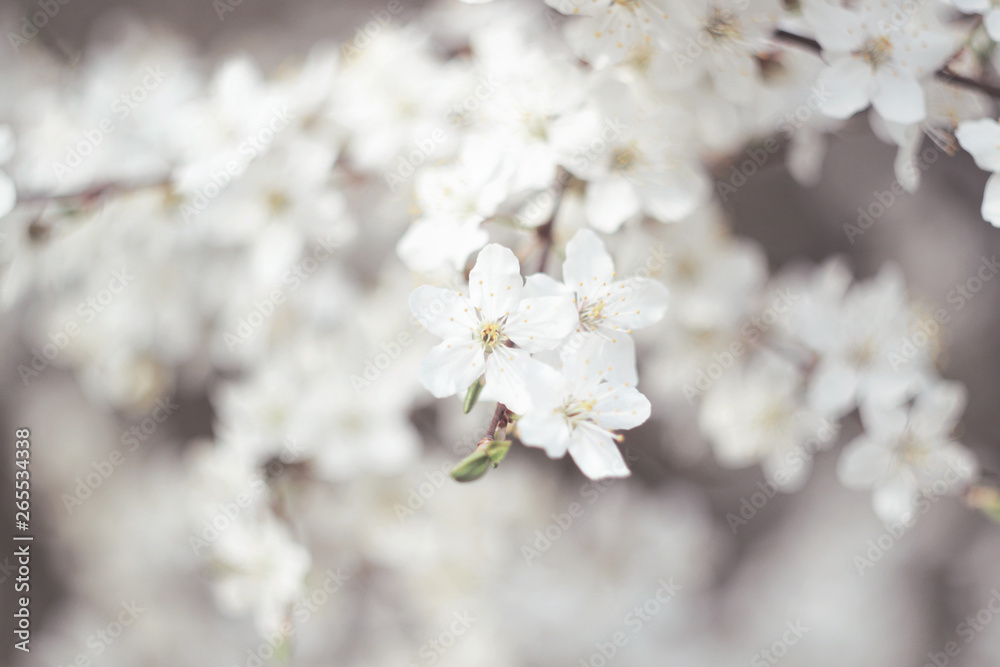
542, 185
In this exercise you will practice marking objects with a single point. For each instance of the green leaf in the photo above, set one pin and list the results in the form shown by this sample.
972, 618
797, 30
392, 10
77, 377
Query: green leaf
497, 450
472, 467
472, 395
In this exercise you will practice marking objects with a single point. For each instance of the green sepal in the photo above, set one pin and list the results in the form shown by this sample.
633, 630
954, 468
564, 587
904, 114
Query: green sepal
497, 450
472, 395
472, 467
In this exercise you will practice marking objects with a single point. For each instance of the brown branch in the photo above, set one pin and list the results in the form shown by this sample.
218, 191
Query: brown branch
93, 192
500, 419
945, 73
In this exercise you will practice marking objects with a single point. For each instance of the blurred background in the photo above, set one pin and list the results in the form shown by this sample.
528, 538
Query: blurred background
654, 574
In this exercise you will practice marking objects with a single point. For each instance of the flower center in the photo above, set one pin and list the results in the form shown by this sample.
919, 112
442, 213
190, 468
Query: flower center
624, 158
722, 25
591, 314
576, 411
491, 335
876, 52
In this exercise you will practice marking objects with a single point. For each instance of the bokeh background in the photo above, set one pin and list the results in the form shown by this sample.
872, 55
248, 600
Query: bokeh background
793, 563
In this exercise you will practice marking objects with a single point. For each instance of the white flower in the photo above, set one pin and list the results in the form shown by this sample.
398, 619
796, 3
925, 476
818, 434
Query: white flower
982, 139
989, 10
611, 28
264, 570
858, 340
756, 414
575, 410
8, 192
906, 453
608, 308
643, 164
877, 53
733, 33
481, 328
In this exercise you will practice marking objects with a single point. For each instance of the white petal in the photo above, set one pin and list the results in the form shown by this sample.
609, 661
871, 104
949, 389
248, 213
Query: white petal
495, 282
443, 312
895, 499
992, 22
451, 366
610, 202
620, 407
837, 28
542, 323
937, 409
848, 84
507, 370
636, 304
8, 194
862, 463
898, 97
594, 452
991, 201
981, 138
971, 6
617, 355
832, 388
7, 143
541, 284
675, 195
588, 263
545, 429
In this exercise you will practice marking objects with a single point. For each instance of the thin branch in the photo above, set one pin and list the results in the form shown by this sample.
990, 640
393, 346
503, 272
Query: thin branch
945, 73
93, 192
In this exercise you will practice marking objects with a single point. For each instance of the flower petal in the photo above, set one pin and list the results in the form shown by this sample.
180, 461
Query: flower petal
862, 463
620, 407
495, 282
594, 452
451, 366
507, 370
541, 323
610, 202
588, 264
898, 97
443, 312
848, 82
545, 429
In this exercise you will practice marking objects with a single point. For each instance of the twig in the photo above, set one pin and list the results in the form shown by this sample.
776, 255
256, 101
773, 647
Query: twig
945, 73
